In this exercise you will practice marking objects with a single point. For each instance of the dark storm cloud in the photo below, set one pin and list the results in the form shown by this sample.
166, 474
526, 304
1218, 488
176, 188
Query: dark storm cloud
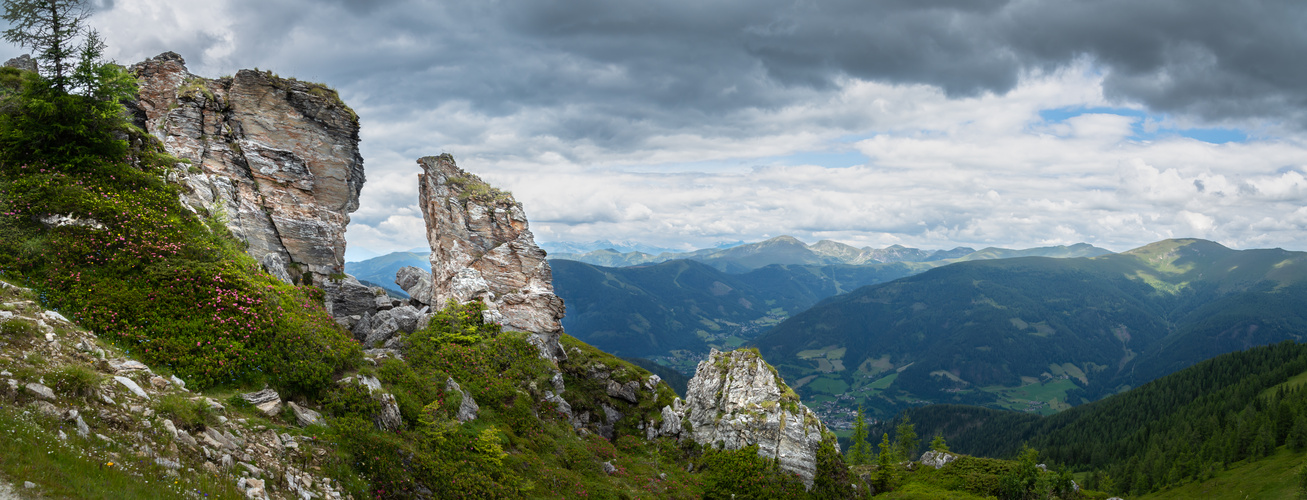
674, 63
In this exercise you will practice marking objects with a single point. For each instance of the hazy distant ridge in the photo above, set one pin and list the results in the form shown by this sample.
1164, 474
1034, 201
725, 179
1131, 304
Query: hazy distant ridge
790, 251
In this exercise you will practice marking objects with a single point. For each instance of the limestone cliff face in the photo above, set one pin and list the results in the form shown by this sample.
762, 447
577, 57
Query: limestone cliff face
277, 158
736, 400
481, 249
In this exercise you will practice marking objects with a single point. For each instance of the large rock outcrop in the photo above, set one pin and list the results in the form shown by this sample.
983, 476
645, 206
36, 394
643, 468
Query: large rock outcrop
481, 249
276, 157
736, 400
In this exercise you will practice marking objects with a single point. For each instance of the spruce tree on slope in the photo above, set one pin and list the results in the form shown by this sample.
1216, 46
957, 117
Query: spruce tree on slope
50, 28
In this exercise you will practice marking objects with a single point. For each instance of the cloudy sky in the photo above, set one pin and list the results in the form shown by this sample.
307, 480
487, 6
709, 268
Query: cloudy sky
682, 123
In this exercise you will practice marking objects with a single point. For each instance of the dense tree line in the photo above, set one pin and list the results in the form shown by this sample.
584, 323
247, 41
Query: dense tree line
1179, 428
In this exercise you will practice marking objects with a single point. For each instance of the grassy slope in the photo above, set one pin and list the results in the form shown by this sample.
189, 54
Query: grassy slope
1272, 477
32, 451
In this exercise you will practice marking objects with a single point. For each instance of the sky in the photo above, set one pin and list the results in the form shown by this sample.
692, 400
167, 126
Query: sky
684, 123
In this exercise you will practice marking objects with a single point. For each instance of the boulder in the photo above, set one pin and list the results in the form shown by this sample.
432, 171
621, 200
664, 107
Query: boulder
416, 282
347, 297
304, 416
406, 317
937, 459
383, 327
625, 391
267, 401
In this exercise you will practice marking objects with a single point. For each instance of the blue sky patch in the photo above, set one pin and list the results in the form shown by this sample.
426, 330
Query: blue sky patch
1214, 135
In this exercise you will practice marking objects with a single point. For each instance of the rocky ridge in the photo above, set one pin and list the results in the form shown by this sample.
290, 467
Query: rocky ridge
736, 400
62, 377
277, 158
482, 249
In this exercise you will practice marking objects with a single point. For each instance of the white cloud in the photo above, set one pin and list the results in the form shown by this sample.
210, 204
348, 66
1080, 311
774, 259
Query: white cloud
620, 134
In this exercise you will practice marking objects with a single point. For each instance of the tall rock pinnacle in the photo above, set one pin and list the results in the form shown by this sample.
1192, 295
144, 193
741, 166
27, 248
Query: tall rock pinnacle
481, 249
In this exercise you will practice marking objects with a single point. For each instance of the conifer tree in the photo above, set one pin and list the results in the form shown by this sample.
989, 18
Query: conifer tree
859, 452
938, 443
50, 28
885, 461
905, 440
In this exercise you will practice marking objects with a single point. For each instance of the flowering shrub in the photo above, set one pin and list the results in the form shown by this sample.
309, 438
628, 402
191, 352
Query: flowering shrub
130, 263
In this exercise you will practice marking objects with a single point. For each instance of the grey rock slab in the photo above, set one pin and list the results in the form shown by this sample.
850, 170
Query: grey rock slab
383, 327
82, 429
406, 317
170, 428
267, 401
127, 365
625, 391
131, 386
168, 464
40, 391
305, 416
467, 408
389, 418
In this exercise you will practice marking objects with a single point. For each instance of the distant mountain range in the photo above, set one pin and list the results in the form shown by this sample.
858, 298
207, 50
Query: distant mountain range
1040, 334
574, 247
790, 251
674, 311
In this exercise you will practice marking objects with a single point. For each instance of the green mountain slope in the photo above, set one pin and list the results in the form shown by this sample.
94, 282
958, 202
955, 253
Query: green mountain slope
683, 305
1038, 334
1229, 412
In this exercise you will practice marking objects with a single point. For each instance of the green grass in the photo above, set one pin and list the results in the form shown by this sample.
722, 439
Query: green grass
1293, 383
1272, 477
1052, 393
923, 491
884, 382
79, 468
829, 385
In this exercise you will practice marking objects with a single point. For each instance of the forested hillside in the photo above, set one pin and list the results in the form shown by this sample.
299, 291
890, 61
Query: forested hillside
1040, 334
1183, 427
686, 305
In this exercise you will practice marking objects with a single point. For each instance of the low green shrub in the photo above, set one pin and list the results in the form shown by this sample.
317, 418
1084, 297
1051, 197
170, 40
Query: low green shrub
186, 413
76, 381
18, 329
